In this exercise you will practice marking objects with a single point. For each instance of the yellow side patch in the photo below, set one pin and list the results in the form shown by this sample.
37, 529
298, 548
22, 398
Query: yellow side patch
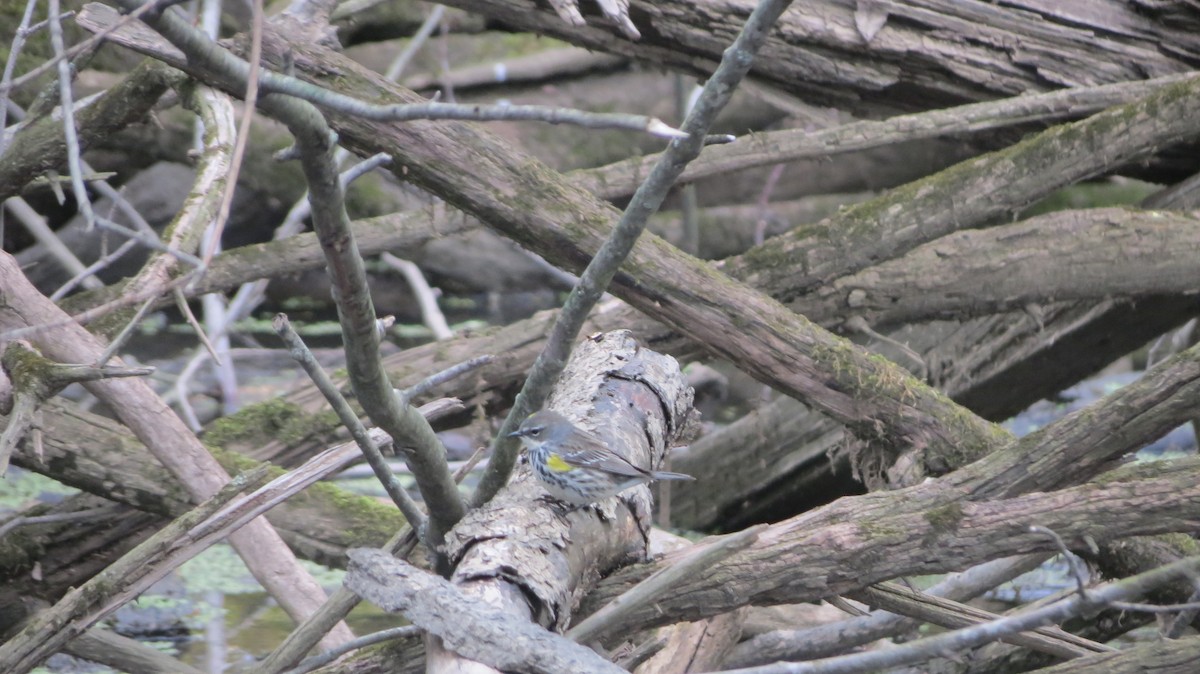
556, 464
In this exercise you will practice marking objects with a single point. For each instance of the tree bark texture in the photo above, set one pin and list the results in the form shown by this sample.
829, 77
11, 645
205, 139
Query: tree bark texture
636, 400
916, 531
928, 53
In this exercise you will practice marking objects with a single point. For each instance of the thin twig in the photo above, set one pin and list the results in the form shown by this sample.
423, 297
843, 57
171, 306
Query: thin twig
1154, 608
37, 227
445, 85
149, 240
14, 50
214, 307
438, 378
399, 468
958, 640
329, 656
180, 387
250, 96
764, 203
82, 200
426, 296
860, 325
1072, 561
87, 44
123, 336
299, 350
951, 614
396, 67
841, 636
689, 210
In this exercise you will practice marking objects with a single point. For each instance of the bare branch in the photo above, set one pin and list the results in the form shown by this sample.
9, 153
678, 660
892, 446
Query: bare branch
839, 637
924, 649
82, 200
620, 179
947, 613
329, 656
469, 626
435, 320
232, 72
10, 65
300, 352
409, 430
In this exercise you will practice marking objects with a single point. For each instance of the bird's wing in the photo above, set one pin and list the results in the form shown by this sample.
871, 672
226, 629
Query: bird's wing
609, 461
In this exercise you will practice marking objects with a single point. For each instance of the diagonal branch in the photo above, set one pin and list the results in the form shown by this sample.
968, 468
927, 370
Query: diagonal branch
619, 179
164, 434
876, 401
861, 540
470, 626
232, 70
594, 280
931, 647
410, 431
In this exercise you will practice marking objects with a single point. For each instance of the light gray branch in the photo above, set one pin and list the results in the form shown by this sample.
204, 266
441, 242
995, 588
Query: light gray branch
468, 625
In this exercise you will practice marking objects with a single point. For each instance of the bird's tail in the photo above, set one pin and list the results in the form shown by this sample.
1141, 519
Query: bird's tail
665, 475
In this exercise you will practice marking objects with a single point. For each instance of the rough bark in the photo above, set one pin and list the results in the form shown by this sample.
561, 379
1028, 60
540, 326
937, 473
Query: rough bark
1075, 448
520, 551
865, 539
1180, 656
929, 53
474, 628
40, 146
784, 458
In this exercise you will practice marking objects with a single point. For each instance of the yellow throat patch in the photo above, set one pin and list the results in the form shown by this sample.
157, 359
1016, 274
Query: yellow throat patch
556, 464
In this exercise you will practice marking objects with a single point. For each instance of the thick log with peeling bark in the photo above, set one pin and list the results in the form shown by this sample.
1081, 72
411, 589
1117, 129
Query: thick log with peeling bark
473, 627
925, 529
526, 554
921, 530
876, 58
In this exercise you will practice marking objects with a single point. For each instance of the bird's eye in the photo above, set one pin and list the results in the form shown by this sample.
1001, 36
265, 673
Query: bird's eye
535, 432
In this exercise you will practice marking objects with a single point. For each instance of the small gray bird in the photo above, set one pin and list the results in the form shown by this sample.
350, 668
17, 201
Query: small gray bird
576, 466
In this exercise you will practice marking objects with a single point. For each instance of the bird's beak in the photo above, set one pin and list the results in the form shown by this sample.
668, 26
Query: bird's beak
516, 434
